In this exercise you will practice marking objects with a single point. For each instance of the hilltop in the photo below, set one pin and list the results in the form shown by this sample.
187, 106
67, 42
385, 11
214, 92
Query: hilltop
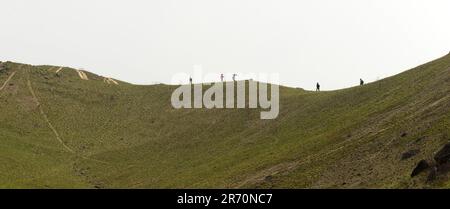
65, 128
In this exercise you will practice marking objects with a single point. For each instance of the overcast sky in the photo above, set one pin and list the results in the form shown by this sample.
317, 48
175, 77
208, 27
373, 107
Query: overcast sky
305, 41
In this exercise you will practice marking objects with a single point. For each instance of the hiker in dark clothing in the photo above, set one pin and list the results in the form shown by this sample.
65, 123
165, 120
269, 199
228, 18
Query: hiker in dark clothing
190, 80
361, 82
317, 86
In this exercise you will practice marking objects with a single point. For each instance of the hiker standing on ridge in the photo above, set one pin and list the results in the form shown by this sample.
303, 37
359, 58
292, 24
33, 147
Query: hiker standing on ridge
221, 77
317, 86
234, 77
361, 82
190, 80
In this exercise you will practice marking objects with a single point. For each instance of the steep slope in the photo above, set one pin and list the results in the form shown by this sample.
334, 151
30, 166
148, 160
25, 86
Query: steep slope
63, 128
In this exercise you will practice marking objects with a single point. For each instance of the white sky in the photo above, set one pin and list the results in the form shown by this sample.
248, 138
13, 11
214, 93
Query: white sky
305, 41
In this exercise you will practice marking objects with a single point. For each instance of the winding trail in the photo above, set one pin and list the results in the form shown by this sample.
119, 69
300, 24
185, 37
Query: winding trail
55, 132
30, 88
7, 80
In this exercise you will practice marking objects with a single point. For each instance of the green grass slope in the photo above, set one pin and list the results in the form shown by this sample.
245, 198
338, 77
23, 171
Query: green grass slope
60, 131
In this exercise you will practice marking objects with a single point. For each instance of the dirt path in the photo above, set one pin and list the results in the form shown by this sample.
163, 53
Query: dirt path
82, 75
110, 80
55, 132
59, 69
7, 80
50, 125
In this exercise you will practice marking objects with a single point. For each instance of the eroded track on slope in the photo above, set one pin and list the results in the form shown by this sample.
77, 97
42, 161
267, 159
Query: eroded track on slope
52, 127
7, 81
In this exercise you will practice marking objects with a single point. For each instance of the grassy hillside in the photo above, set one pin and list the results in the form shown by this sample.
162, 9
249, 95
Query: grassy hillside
58, 130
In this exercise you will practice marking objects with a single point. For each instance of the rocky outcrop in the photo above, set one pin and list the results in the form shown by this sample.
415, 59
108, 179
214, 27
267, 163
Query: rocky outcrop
422, 166
410, 154
443, 156
440, 166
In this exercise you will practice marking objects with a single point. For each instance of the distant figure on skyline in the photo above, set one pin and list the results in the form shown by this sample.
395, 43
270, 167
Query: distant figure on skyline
361, 82
317, 86
190, 80
221, 77
234, 77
